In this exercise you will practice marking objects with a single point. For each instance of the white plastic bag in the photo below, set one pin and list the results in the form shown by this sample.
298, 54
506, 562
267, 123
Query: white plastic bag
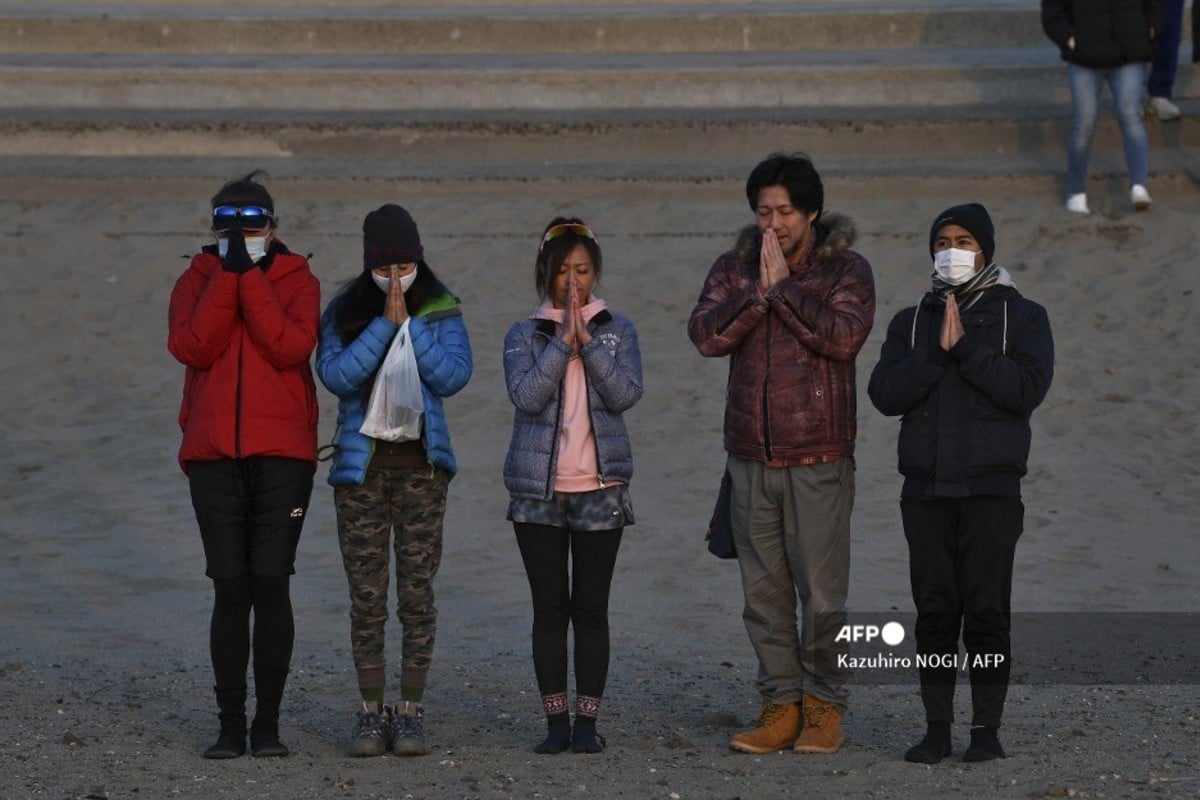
396, 404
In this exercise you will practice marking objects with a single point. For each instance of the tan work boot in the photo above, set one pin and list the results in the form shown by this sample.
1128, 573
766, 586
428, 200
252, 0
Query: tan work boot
777, 729
822, 727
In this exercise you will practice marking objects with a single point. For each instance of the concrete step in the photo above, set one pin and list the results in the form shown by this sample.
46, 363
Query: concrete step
884, 78
385, 147
509, 89
517, 28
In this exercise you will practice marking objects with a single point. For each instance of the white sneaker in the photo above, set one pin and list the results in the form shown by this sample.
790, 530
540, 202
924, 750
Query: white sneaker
1078, 203
1163, 108
1140, 197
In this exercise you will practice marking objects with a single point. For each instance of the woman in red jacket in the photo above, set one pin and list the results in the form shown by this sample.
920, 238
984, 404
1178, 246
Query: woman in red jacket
243, 320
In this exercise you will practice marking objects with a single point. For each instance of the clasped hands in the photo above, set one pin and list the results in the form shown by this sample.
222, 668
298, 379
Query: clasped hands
772, 265
574, 329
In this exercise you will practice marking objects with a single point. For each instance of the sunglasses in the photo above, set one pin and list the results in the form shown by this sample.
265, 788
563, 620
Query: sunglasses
561, 230
252, 217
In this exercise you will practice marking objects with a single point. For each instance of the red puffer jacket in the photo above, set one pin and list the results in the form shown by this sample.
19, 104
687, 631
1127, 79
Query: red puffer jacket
246, 341
791, 393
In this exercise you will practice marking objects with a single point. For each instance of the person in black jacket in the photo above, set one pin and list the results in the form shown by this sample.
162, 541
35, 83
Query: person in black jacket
963, 369
1105, 41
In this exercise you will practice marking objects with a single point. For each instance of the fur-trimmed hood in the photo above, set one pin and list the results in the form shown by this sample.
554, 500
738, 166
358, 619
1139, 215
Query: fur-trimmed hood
836, 233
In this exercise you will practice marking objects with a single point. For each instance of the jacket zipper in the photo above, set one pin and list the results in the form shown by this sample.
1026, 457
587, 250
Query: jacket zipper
557, 435
733, 316
237, 416
592, 420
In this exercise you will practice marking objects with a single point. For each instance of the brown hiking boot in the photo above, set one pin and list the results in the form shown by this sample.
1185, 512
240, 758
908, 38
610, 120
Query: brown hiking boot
822, 727
777, 729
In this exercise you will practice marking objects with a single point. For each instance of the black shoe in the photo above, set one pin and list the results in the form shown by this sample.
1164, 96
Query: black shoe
933, 748
264, 740
230, 743
584, 739
370, 736
558, 735
407, 730
985, 746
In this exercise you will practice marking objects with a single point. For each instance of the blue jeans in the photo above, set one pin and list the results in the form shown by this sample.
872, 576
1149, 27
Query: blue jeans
1166, 54
1126, 84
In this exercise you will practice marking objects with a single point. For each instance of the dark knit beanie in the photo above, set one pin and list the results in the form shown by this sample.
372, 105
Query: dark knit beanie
390, 237
972, 216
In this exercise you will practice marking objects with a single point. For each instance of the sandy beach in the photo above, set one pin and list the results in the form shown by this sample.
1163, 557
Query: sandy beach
105, 685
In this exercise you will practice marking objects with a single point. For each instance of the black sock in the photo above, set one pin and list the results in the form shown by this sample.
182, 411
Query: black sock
558, 734
584, 738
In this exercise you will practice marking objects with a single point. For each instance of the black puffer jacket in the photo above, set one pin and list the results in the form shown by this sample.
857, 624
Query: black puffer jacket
964, 428
1107, 33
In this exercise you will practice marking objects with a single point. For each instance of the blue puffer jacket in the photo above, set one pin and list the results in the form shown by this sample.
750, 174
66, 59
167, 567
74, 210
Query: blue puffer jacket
443, 358
535, 362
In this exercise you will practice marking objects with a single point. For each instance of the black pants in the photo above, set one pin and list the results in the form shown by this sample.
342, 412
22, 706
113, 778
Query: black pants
578, 599
250, 513
960, 564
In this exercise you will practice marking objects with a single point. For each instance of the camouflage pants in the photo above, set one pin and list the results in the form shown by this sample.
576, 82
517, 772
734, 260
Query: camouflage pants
412, 503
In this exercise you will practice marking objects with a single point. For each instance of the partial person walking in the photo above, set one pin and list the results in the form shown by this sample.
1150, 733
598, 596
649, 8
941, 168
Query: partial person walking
791, 305
1105, 42
572, 368
1160, 84
391, 495
243, 320
964, 369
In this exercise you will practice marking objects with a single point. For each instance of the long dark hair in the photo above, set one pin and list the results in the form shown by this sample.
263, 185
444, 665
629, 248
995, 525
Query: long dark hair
359, 300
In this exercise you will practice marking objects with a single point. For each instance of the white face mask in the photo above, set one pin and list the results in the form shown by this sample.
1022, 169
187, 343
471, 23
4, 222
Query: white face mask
954, 266
384, 281
256, 246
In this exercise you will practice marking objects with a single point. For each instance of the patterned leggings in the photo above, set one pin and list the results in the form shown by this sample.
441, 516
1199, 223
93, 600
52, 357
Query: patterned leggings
412, 503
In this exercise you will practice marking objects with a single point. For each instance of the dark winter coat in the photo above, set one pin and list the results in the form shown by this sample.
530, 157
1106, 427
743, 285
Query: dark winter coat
964, 427
1107, 33
791, 392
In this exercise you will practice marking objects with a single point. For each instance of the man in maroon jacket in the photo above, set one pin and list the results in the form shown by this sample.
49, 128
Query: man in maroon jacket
791, 305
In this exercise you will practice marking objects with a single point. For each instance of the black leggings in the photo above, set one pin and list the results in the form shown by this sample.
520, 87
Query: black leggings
561, 599
274, 631
250, 513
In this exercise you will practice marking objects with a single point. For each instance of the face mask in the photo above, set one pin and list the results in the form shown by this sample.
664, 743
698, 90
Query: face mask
954, 266
384, 281
256, 246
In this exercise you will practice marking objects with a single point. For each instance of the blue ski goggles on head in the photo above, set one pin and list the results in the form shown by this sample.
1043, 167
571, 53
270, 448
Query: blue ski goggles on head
250, 217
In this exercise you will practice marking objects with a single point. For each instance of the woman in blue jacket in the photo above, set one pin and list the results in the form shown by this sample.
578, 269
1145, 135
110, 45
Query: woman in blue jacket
382, 486
572, 369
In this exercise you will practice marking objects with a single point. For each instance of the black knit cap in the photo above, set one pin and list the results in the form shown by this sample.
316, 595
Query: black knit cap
972, 216
390, 237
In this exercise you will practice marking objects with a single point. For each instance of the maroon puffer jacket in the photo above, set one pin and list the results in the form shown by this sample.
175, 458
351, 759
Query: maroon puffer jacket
791, 391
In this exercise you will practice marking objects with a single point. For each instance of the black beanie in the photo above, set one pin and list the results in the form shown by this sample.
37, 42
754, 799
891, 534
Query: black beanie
390, 237
972, 216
